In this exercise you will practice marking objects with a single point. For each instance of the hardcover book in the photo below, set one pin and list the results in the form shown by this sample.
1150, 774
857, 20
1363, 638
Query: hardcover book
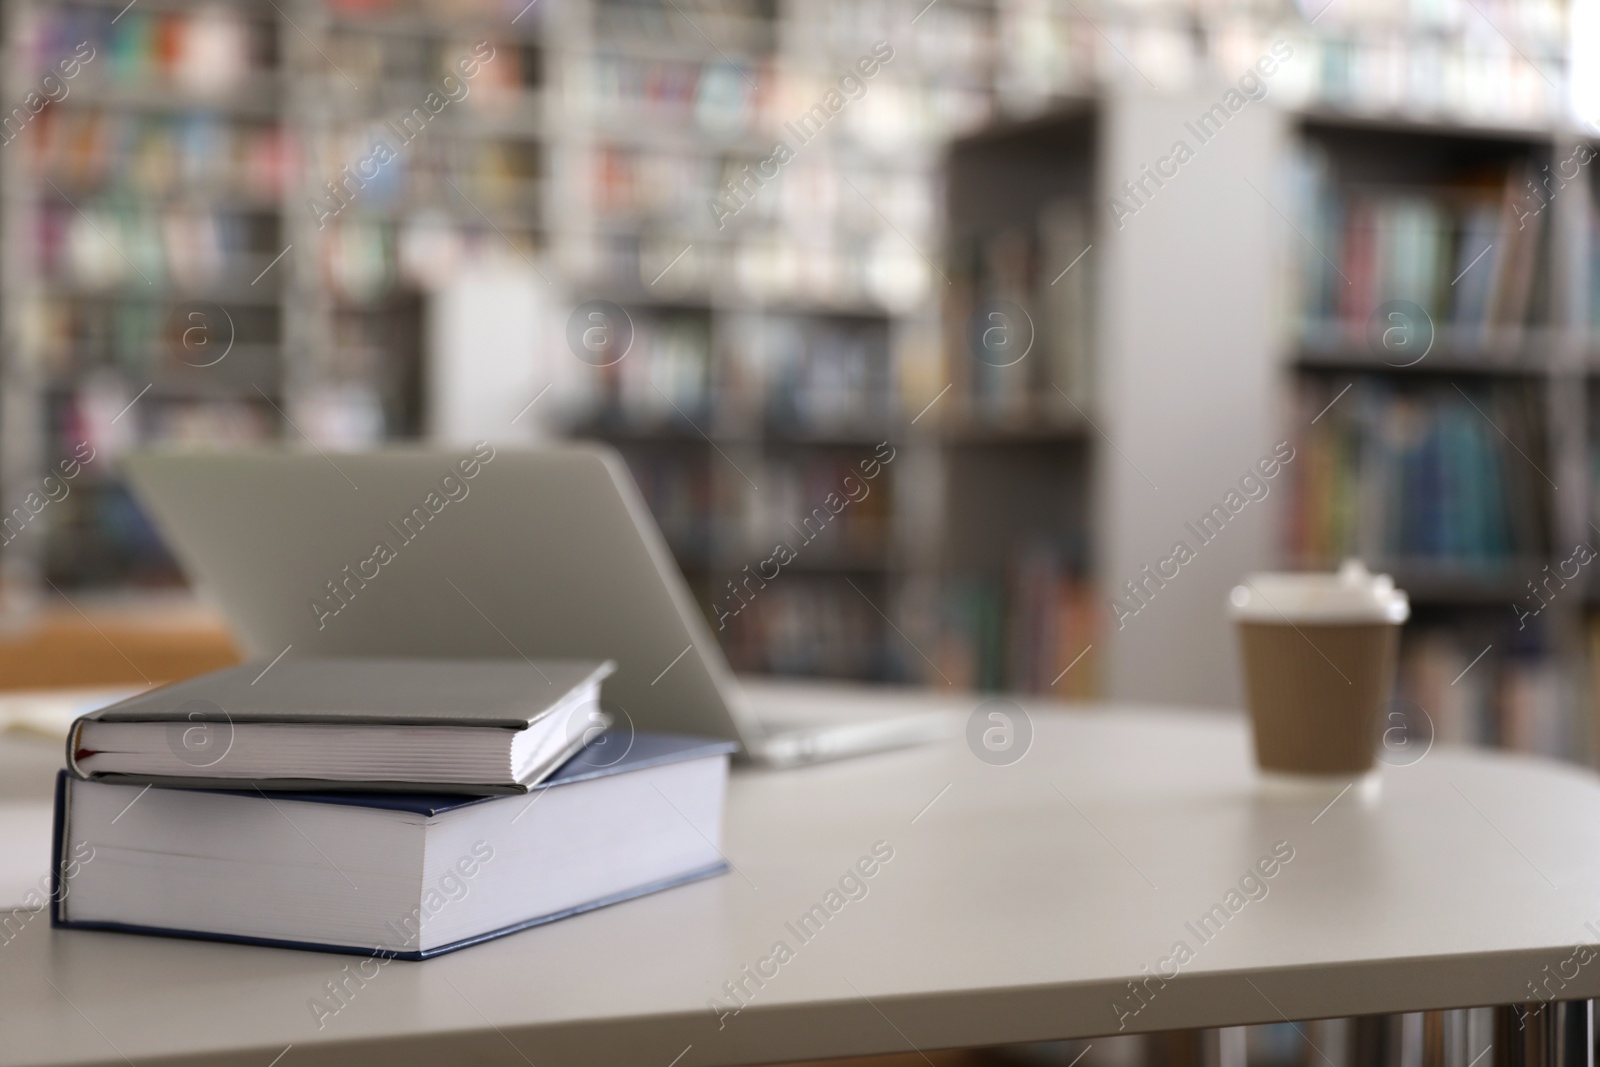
394, 875
364, 723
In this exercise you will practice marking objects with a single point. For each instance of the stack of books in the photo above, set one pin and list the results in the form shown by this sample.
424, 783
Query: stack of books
396, 808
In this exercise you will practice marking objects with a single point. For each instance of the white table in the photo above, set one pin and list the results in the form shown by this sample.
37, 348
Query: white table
1018, 905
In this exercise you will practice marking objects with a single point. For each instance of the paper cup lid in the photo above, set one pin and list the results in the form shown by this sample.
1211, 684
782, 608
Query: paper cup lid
1354, 594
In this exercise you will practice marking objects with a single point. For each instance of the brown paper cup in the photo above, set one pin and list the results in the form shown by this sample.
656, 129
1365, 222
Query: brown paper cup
1317, 692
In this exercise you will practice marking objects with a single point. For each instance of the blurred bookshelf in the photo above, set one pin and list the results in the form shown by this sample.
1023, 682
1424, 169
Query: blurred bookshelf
1448, 66
1441, 399
165, 281
780, 353
1019, 608
1424, 137
144, 176
454, 94
869, 301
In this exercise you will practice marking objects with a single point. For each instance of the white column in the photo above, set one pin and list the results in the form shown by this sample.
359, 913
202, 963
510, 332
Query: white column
1188, 363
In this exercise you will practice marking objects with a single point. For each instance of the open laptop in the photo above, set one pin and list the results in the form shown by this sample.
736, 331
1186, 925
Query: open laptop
471, 552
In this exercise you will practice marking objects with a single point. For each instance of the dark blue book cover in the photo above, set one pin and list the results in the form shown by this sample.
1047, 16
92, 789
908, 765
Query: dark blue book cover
612, 752
609, 754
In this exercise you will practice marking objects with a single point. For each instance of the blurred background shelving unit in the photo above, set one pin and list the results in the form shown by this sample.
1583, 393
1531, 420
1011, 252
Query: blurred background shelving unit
866, 298
1412, 135
145, 169
179, 270
1440, 350
454, 94
778, 350
1015, 435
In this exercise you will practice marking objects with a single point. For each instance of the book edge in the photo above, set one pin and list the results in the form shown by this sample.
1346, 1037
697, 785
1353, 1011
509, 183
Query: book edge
660, 885
334, 790
193, 687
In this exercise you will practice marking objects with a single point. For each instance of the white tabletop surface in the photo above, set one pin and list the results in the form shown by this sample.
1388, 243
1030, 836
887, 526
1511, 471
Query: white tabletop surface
1019, 903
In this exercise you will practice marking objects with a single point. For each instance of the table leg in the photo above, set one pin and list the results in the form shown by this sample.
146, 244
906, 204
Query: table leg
1433, 1039
1230, 1047
1577, 1033
1198, 1048
1375, 1039
1559, 1034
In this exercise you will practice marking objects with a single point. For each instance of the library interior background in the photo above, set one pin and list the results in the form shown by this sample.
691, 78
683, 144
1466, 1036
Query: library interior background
1062, 273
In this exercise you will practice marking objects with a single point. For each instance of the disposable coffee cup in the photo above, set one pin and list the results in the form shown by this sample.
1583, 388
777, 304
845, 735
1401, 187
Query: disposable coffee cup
1319, 654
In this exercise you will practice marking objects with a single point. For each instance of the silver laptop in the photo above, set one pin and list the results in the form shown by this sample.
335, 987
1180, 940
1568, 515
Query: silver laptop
470, 551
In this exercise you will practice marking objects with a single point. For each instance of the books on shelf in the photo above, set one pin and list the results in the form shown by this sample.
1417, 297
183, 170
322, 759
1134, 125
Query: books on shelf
662, 376
684, 158
209, 423
1030, 629
797, 374
99, 536
241, 161
682, 497
634, 184
1428, 62
810, 625
1019, 320
369, 723
79, 338
165, 134
1484, 682
444, 14
840, 258
816, 500
103, 245
391, 875
1447, 475
209, 51
822, 507
819, 374
1470, 255
716, 95
745, 24
500, 173
91, 413
1422, 61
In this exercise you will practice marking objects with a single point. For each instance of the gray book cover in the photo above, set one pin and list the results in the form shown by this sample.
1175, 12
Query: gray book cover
352, 691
